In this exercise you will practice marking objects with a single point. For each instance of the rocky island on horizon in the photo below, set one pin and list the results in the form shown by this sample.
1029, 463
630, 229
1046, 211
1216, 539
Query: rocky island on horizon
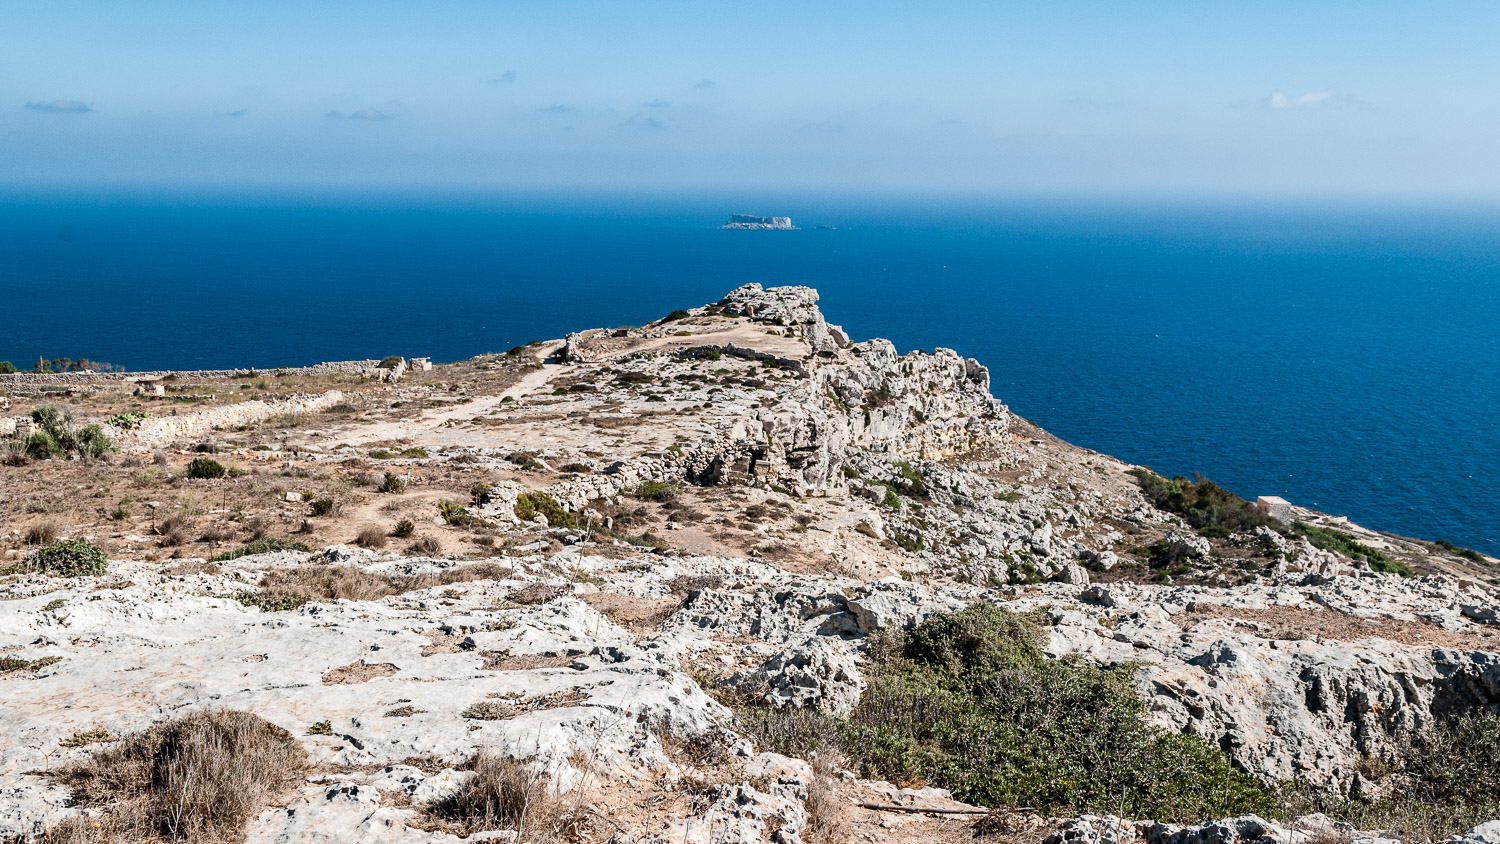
731, 576
753, 223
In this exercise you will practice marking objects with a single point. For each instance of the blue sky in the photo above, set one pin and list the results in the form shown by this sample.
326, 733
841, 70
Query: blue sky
1109, 97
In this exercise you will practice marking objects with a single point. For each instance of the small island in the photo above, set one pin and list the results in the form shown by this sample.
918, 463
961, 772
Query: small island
747, 221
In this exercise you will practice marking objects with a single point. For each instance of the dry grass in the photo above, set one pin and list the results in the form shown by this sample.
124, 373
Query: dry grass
200, 778
188, 567
825, 810
506, 793
42, 534
347, 583
370, 537
537, 593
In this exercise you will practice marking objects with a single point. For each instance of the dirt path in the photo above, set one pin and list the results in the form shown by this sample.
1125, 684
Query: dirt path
445, 426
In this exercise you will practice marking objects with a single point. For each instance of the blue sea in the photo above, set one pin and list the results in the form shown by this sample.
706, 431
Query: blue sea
1343, 356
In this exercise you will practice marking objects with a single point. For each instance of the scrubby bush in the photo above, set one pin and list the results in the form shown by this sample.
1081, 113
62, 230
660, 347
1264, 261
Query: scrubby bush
1467, 553
404, 529
454, 513
392, 484
205, 467
326, 506
7, 368
1203, 503
656, 491
481, 493
968, 701
69, 558
390, 362
529, 504
59, 435
202, 777
41, 445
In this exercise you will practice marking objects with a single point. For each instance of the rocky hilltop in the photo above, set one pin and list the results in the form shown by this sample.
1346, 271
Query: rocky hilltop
728, 577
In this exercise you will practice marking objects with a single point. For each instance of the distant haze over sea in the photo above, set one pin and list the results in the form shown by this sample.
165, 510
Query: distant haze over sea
1344, 357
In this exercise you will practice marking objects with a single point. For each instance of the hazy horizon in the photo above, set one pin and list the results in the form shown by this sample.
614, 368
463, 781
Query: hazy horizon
1275, 99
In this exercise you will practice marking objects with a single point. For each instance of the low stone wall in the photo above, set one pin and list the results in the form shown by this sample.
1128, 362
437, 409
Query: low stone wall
164, 430
37, 380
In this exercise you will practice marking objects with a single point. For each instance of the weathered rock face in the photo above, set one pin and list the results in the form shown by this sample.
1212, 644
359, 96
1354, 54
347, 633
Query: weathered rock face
1282, 706
861, 395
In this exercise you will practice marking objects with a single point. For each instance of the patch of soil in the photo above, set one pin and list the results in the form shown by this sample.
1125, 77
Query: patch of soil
358, 672
638, 615
1291, 623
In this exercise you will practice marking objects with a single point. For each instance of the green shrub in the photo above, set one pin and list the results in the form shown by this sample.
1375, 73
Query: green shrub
481, 493
69, 558
264, 545
712, 354
326, 506
656, 491
127, 421
270, 601
1203, 503
454, 513
392, 484
676, 315
390, 362
382, 454
205, 467
1343, 543
1467, 553
41, 445
529, 504
967, 701
90, 442
7, 368
404, 529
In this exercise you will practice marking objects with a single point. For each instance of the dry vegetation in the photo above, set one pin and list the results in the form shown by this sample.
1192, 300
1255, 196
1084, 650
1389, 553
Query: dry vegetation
511, 794
199, 778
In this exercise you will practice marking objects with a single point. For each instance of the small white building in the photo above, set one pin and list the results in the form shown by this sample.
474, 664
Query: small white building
1277, 508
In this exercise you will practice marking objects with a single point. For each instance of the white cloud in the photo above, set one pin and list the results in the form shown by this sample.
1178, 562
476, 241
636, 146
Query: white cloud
1312, 99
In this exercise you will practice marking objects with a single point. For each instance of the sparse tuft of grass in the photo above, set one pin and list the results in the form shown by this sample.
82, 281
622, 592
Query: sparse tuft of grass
202, 778
370, 537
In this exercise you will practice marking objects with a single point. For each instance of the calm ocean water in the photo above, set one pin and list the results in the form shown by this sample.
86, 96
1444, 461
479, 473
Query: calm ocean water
1345, 358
